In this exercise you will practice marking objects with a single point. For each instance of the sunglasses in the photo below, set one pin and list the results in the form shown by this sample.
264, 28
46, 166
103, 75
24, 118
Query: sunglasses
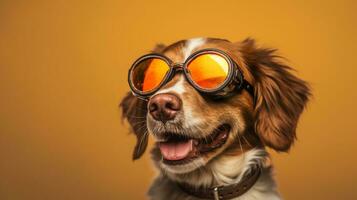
210, 71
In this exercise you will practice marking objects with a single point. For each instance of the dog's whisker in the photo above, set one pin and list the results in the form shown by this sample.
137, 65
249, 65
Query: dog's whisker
141, 128
247, 141
136, 117
240, 144
138, 122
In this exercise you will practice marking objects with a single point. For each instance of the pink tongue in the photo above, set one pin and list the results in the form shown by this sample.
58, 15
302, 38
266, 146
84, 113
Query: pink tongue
175, 151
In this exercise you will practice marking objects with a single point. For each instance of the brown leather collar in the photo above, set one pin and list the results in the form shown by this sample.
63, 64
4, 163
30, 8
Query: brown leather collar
225, 192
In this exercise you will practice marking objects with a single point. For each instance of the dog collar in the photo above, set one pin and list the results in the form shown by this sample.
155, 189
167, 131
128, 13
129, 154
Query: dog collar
225, 192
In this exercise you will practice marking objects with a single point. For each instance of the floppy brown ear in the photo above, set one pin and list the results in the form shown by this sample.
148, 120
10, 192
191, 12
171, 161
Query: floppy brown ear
280, 96
134, 111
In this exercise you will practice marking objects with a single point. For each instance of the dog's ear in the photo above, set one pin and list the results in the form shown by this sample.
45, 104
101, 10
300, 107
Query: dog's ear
280, 96
134, 111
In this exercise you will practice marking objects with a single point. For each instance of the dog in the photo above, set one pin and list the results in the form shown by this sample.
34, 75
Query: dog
228, 136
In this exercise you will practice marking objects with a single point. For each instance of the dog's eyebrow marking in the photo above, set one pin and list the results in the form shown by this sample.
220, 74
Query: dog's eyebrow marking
178, 87
192, 44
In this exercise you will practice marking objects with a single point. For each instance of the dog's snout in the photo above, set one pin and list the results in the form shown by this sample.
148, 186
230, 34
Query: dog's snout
164, 107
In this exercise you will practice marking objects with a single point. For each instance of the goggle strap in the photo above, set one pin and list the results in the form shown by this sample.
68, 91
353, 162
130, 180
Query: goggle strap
247, 86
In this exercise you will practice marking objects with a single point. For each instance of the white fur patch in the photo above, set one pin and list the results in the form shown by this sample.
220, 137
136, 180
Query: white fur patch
191, 45
178, 87
226, 169
185, 168
190, 118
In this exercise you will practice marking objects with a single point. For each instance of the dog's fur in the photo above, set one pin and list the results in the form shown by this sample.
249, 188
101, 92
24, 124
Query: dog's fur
270, 119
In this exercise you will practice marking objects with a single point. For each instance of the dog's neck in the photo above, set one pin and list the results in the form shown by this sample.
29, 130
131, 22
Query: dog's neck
225, 170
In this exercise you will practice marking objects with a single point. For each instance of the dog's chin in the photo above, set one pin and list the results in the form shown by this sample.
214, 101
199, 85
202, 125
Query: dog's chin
183, 154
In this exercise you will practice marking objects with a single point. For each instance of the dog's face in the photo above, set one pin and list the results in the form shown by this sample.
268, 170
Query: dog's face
191, 129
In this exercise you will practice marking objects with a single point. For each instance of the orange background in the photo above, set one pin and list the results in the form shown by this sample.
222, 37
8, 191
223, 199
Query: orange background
63, 67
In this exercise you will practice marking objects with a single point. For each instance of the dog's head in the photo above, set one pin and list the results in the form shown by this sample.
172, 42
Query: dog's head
192, 129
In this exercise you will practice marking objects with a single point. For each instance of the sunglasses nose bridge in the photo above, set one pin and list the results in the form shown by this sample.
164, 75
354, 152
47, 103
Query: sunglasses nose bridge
177, 66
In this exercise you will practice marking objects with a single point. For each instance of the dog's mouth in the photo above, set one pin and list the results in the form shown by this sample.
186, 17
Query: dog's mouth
181, 149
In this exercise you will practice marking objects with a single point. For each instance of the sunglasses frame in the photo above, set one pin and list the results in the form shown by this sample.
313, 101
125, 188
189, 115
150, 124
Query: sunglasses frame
234, 75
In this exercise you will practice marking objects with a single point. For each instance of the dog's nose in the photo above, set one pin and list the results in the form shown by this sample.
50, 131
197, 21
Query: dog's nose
164, 107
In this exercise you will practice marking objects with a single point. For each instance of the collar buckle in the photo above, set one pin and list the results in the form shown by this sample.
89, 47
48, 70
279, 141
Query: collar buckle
222, 192
215, 192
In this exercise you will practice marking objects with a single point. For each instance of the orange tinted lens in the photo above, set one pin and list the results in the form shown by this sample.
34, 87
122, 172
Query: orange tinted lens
208, 71
149, 73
